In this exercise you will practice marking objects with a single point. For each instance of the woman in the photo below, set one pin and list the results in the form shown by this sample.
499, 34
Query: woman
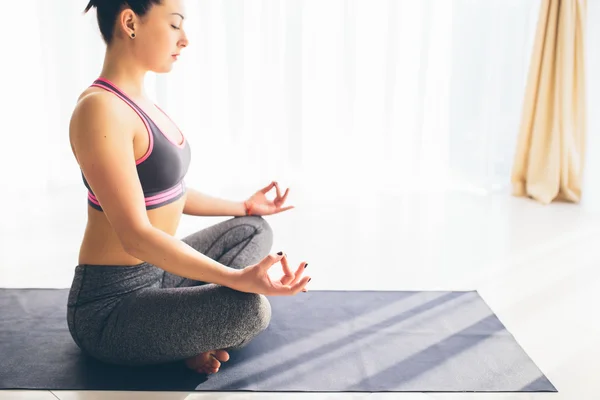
139, 295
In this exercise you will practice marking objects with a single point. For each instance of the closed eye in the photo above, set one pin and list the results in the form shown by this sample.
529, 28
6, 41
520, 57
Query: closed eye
175, 27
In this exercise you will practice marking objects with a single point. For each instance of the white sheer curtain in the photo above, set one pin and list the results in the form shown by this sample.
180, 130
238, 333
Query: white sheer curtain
402, 94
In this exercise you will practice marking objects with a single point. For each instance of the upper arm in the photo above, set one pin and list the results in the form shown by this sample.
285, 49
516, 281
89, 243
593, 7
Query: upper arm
101, 133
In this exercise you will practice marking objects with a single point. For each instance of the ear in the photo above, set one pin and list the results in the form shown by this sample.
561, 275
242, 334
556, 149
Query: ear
127, 21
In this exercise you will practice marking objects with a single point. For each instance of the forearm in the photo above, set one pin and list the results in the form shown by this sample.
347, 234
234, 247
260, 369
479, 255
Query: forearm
199, 204
174, 256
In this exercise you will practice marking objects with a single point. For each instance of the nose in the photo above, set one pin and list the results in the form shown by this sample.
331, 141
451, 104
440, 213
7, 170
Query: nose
183, 41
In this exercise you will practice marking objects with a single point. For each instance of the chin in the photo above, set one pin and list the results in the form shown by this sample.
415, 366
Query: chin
163, 69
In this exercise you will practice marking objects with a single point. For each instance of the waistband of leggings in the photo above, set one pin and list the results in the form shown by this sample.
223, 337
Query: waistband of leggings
96, 282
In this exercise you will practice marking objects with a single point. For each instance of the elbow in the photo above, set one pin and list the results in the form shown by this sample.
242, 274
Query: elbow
135, 242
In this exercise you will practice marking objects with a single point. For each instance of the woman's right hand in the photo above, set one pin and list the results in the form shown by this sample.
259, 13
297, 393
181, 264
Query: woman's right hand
255, 278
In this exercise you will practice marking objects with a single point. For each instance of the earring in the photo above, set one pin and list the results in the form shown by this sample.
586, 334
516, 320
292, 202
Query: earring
132, 35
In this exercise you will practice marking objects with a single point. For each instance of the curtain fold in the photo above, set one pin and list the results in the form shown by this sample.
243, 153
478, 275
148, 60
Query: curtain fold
550, 153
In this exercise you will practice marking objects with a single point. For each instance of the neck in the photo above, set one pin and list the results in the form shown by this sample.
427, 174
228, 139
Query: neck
123, 72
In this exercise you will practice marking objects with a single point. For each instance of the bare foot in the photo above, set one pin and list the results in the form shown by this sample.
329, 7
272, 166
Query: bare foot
208, 362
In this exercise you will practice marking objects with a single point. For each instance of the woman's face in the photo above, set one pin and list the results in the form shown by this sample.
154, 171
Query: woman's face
159, 35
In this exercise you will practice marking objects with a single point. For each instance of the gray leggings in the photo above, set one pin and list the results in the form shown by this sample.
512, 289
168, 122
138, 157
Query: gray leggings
142, 315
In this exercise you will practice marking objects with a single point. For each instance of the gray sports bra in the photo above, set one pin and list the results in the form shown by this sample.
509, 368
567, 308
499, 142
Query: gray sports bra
162, 169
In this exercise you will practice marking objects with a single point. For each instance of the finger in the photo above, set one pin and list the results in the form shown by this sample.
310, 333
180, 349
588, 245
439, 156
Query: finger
282, 209
298, 286
285, 195
277, 189
299, 272
288, 274
266, 189
290, 290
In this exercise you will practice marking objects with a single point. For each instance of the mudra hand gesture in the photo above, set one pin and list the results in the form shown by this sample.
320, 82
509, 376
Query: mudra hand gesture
256, 279
259, 204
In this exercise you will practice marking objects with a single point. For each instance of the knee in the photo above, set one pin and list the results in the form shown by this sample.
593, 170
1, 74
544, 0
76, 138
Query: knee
262, 225
255, 317
263, 231
263, 312
258, 312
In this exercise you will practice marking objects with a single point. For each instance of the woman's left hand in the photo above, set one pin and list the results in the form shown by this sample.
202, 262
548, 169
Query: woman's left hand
259, 204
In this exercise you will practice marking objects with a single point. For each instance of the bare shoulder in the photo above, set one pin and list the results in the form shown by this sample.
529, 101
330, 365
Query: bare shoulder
100, 113
102, 132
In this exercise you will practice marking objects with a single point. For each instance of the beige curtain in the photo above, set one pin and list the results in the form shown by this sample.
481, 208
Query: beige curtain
549, 157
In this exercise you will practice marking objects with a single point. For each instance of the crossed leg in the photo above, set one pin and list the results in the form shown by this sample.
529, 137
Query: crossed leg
237, 243
181, 319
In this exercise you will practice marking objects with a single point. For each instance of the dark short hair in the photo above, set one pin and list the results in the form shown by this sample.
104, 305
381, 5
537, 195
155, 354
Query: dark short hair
108, 10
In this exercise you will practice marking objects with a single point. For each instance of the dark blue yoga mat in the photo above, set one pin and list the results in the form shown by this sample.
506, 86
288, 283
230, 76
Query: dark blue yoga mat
320, 341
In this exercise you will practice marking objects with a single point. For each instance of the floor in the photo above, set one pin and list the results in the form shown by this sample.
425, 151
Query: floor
536, 266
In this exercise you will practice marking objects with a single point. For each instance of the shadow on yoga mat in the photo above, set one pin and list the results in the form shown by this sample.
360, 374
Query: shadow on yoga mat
320, 341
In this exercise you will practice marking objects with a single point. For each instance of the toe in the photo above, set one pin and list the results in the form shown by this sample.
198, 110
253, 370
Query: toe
213, 363
208, 370
221, 355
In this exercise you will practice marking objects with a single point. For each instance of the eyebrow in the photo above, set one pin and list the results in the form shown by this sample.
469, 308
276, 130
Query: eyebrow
182, 17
